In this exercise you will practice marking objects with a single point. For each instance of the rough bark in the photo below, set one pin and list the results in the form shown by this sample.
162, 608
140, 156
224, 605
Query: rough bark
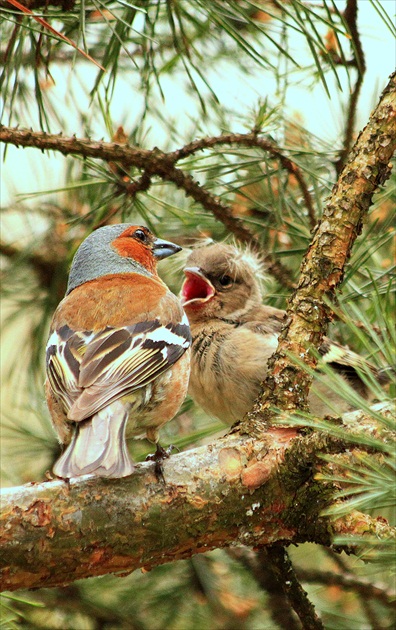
237, 490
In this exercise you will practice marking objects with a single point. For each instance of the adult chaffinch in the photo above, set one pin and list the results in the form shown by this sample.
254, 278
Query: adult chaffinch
118, 352
234, 335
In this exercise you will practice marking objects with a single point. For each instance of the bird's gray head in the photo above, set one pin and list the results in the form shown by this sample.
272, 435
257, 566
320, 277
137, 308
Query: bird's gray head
115, 249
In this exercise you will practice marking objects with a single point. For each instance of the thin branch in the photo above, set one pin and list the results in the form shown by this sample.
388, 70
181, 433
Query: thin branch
350, 582
210, 202
350, 17
259, 565
61, 56
131, 188
372, 616
336, 558
65, 5
292, 588
152, 163
21, 7
343, 568
10, 251
108, 151
45, 267
253, 140
143, 183
4, 57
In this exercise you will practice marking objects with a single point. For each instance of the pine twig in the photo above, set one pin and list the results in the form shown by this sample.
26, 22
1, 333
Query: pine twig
350, 17
254, 140
350, 582
152, 163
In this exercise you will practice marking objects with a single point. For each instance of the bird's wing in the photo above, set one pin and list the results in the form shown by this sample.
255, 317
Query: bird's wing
64, 353
339, 357
264, 320
344, 360
114, 362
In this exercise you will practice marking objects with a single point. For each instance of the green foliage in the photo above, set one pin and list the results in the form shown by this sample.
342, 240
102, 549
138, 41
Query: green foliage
154, 55
160, 38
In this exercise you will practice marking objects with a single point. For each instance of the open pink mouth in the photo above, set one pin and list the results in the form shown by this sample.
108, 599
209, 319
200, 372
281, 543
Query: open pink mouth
196, 288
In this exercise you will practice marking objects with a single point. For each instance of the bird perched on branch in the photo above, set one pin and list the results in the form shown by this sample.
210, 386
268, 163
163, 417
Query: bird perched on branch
234, 335
118, 352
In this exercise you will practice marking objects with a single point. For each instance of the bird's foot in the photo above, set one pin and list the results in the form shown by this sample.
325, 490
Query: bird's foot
158, 457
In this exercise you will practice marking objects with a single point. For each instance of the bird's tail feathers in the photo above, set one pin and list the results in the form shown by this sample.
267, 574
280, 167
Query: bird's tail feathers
98, 446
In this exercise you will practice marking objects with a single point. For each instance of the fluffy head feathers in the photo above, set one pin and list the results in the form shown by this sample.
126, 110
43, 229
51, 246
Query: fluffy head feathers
220, 280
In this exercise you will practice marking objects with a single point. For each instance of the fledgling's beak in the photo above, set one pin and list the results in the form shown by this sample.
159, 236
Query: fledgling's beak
162, 249
196, 288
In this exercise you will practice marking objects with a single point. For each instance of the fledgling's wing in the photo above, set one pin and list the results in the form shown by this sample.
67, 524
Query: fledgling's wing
347, 363
266, 321
89, 371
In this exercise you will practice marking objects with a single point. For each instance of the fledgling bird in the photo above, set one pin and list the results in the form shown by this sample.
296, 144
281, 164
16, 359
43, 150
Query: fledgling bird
234, 335
118, 352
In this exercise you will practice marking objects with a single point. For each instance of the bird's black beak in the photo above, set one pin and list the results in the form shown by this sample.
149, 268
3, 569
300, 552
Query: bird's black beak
163, 249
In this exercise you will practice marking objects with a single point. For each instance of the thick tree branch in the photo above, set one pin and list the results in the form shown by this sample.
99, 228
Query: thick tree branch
322, 269
236, 490
287, 386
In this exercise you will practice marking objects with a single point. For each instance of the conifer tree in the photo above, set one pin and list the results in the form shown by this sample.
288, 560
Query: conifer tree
182, 116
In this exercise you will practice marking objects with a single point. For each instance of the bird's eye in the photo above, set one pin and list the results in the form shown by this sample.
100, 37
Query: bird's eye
141, 235
225, 281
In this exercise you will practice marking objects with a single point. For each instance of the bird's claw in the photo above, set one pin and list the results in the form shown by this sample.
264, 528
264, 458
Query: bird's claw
158, 457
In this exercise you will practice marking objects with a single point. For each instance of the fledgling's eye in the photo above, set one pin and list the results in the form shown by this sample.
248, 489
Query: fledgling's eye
141, 235
225, 281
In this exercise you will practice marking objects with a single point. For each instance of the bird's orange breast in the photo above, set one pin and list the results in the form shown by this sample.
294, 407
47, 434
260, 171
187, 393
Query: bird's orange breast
114, 300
